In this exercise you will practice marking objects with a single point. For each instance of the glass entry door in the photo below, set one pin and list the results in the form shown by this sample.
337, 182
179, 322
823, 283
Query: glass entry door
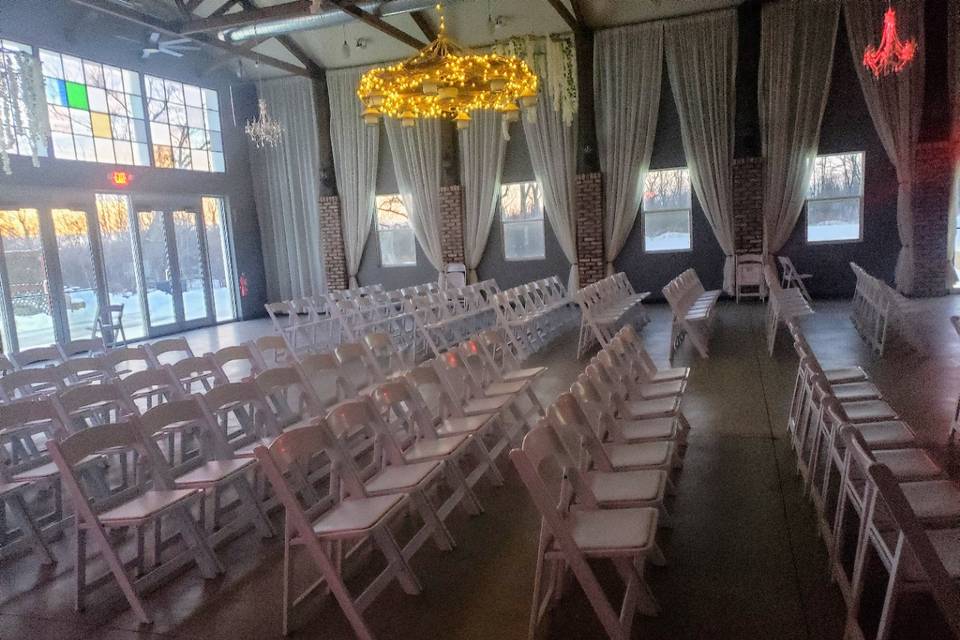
173, 267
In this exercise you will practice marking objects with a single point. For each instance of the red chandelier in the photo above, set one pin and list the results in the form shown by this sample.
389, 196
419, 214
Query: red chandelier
892, 55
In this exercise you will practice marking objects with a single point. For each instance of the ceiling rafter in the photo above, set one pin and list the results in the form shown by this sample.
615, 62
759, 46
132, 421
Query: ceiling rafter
243, 18
378, 23
169, 28
289, 44
568, 17
426, 26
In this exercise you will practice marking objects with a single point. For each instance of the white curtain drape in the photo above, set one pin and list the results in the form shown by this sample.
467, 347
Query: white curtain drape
627, 72
416, 161
701, 54
481, 164
553, 147
286, 191
895, 103
796, 61
355, 152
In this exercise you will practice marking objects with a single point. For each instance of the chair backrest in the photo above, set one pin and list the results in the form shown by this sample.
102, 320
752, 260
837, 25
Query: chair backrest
749, 270
384, 353
404, 411
573, 428
237, 362
434, 390
322, 372
290, 396
46, 411
152, 387
454, 275
245, 402
24, 383
169, 350
84, 369
82, 347
38, 357
198, 373
272, 351
357, 366
357, 420
126, 360
188, 410
96, 403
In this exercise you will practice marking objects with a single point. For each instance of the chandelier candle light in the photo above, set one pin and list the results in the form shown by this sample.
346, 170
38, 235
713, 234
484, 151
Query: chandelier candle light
892, 55
444, 80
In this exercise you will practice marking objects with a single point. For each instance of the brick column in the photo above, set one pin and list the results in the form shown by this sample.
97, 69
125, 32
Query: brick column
451, 223
331, 235
591, 260
931, 204
748, 205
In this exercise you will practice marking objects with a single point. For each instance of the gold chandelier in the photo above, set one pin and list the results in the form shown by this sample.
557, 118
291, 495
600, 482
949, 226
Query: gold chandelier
445, 80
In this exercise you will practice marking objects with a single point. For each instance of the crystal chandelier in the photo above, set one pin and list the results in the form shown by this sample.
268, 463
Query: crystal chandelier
264, 131
892, 55
444, 80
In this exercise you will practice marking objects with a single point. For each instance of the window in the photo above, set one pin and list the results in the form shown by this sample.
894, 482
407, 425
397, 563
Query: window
521, 213
184, 125
15, 138
666, 211
96, 111
215, 226
398, 245
835, 199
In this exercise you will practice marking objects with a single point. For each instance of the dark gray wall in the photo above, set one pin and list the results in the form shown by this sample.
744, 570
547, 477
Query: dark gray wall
66, 27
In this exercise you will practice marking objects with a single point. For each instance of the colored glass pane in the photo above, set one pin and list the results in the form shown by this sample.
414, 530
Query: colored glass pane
77, 96
101, 124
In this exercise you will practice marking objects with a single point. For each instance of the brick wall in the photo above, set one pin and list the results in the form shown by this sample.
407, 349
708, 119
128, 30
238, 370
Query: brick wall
451, 223
748, 205
931, 203
591, 261
331, 235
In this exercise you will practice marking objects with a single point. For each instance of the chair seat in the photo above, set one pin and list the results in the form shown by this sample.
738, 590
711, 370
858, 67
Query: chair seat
619, 487
524, 374
493, 404
906, 464
640, 455
852, 391
650, 429
933, 499
653, 390
506, 388
624, 530
639, 409
433, 449
666, 375
869, 411
400, 478
847, 374
145, 506
356, 515
465, 425
213, 472
889, 433
49, 470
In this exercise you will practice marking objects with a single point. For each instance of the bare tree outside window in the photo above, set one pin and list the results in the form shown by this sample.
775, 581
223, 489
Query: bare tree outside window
835, 199
398, 244
521, 214
666, 211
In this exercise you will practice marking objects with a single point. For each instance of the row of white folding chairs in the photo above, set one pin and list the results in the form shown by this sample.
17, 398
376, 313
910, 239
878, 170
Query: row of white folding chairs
842, 429
693, 311
880, 311
446, 419
611, 449
524, 315
783, 305
604, 307
50, 355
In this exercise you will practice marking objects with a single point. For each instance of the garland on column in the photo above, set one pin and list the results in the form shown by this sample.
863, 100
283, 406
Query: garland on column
23, 106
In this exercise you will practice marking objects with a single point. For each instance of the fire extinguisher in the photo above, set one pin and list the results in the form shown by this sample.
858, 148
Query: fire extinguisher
244, 287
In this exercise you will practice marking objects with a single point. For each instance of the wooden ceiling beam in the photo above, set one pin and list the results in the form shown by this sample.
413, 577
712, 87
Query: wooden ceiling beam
378, 24
426, 26
243, 18
142, 19
289, 44
568, 17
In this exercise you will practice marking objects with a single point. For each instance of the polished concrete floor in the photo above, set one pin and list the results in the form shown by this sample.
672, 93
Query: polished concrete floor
744, 559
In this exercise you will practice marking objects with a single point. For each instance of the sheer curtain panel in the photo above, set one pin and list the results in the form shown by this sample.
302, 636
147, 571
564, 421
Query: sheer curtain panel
796, 61
553, 156
355, 150
416, 160
895, 103
481, 164
285, 187
701, 54
627, 71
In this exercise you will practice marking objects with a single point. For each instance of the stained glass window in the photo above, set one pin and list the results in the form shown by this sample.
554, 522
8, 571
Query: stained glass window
184, 125
96, 111
16, 138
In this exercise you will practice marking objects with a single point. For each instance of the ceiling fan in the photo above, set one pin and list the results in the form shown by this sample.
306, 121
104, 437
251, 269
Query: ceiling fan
174, 47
